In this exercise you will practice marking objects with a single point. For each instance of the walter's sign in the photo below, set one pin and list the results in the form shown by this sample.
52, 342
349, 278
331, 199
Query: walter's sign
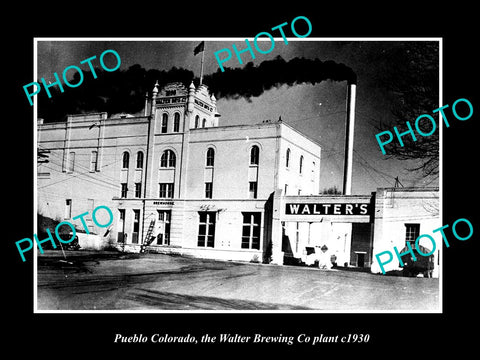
327, 209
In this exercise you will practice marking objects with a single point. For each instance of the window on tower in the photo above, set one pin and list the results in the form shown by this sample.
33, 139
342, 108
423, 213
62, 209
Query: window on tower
176, 122
164, 123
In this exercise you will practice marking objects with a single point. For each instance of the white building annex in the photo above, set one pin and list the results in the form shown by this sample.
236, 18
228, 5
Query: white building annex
179, 182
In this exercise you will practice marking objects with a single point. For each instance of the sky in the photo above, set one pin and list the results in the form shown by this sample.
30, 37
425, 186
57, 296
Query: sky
316, 110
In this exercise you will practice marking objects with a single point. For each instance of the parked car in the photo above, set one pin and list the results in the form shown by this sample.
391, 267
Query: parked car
72, 245
47, 245
423, 265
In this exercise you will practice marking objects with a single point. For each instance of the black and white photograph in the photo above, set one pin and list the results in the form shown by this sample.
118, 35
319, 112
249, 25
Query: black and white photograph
224, 179
260, 187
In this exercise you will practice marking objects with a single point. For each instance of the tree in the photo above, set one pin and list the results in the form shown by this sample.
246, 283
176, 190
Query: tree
333, 190
413, 85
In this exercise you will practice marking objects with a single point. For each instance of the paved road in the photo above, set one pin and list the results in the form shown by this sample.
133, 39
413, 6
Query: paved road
116, 281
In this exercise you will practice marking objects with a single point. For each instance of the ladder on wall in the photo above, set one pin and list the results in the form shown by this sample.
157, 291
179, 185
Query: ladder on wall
148, 236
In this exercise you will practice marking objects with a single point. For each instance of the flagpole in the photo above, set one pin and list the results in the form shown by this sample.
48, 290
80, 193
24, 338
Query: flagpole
201, 67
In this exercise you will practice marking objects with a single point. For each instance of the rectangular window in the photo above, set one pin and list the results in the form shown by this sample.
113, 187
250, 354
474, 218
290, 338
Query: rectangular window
412, 231
208, 190
166, 191
162, 193
163, 235
138, 190
252, 189
206, 229
68, 208
124, 190
71, 162
170, 191
251, 230
93, 161
136, 226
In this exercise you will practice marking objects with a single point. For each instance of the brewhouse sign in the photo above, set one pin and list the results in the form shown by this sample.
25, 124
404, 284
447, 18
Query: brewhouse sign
327, 209
163, 203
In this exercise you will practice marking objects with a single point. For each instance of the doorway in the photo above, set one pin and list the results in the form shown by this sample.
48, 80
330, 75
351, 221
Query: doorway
360, 259
360, 252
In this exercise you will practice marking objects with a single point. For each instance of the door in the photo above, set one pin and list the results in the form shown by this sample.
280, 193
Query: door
121, 226
361, 245
136, 226
361, 259
163, 227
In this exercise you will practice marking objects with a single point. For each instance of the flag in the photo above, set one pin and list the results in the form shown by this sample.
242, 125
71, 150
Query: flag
199, 48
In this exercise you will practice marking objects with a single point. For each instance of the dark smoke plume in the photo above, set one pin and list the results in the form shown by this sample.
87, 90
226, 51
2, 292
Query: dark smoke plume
251, 81
123, 91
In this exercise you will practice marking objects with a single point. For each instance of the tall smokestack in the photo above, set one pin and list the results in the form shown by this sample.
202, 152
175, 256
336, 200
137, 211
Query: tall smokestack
349, 130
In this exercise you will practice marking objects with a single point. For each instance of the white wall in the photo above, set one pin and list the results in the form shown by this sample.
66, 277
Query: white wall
396, 207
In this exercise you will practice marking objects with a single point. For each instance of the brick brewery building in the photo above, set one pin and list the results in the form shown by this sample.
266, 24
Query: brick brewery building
179, 182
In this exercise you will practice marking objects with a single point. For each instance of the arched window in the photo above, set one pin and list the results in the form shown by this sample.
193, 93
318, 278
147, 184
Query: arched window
254, 155
167, 159
204, 122
300, 166
125, 160
287, 158
176, 122
139, 160
210, 157
197, 120
164, 123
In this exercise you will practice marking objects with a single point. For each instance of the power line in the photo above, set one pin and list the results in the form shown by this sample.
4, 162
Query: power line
317, 117
76, 175
385, 176
84, 179
99, 173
